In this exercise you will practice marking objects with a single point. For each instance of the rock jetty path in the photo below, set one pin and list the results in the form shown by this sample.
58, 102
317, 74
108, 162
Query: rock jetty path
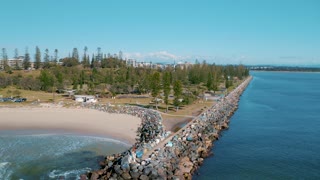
157, 154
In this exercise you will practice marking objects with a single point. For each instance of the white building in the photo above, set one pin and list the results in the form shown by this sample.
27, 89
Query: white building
131, 62
85, 98
13, 63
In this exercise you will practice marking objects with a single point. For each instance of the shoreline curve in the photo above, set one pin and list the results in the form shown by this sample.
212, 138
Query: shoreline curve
83, 121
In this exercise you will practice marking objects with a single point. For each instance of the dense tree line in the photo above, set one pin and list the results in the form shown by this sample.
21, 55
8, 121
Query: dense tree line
109, 75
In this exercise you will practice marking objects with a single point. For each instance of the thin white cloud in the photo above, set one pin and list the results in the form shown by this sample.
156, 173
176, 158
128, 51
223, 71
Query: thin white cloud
165, 56
159, 56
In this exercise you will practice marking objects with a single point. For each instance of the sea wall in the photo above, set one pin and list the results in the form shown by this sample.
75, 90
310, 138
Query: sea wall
177, 157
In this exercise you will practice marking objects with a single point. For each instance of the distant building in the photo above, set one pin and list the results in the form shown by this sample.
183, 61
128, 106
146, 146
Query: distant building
183, 65
134, 63
131, 62
85, 98
13, 63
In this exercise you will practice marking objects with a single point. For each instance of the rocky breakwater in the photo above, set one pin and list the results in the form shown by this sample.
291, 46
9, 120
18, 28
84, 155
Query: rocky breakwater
149, 134
181, 155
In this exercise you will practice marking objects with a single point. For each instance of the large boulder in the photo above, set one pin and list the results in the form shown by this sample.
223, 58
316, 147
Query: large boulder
94, 176
185, 165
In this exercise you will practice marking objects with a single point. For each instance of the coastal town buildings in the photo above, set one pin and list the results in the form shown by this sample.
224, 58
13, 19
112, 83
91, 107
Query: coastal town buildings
15, 63
131, 62
183, 65
134, 63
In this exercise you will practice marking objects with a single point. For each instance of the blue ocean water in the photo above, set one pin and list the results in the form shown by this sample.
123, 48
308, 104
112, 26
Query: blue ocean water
275, 133
30, 155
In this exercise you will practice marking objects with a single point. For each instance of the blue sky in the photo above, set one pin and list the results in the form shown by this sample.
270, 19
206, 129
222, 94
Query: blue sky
220, 31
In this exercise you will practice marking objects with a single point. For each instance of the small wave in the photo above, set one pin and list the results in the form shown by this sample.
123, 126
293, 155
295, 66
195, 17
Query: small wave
5, 171
46, 146
68, 174
65, 134
105, 139
32, 134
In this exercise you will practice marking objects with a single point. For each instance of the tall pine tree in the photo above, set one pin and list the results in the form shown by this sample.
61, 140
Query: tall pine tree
177, 89
37, 62
85, 61
26, 61
75, 54
16, 53
166, 88
16, 56
5, 65
210, 82
46, 59
155, 86
55, 57
93, 62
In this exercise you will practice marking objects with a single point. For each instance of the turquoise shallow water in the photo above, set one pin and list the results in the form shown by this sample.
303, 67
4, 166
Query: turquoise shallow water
275, 133
40, 155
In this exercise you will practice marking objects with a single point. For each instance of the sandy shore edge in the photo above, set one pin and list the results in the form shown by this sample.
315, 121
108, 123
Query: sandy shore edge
90, 122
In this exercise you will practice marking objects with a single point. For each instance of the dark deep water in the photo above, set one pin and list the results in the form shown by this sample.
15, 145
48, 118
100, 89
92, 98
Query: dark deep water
275, 133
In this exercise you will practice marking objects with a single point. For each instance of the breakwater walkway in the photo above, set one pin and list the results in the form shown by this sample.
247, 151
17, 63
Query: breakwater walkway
159, 155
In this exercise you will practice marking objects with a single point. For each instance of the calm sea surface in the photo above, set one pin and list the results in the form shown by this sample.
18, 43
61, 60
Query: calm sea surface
31, 155
275, 133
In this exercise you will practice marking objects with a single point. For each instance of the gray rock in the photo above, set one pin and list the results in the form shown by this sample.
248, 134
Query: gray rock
175, 178
110, 164
143, 163
133, 166
114, 175
94, 176
125, 162
154, 173
140, 168
146, 171
144, 177
126, 175
83, 177
161, 172
134, 175
117, 169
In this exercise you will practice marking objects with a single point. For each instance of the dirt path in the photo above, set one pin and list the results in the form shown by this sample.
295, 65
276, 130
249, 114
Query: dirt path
173, 123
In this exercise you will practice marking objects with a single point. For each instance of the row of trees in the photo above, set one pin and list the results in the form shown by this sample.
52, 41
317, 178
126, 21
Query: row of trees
113, 77
46, 60
25, 64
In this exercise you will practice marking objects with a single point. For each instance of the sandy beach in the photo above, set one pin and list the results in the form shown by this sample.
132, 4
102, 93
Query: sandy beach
82, 121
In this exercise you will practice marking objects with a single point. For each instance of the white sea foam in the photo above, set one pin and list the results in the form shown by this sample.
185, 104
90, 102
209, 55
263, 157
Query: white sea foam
46, 144
105, 139
5, 171
44, 135
68, 174
45, 147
